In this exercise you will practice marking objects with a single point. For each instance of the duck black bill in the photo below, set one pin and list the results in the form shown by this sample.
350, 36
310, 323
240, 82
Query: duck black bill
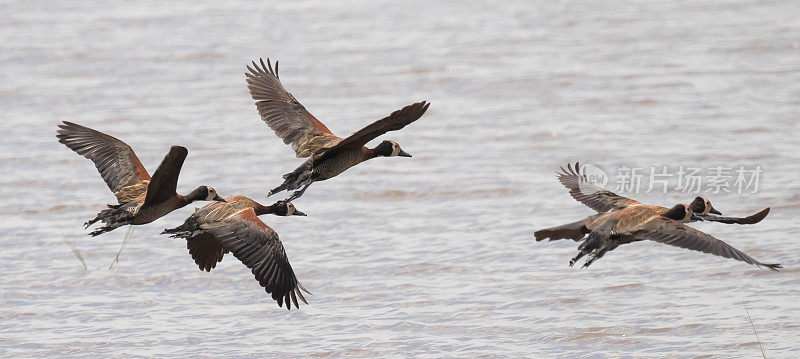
697, 218
298, 213
714, 211
404, 154
219, 199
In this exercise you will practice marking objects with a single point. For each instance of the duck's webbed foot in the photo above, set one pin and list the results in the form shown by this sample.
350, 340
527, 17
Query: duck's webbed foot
297, 194
275, 190
592, 257
104, 229
90, 222
599, 253
100, 216
577, 257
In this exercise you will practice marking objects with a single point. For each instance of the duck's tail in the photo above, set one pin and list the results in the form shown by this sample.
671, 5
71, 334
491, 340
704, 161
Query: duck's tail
185, 230
115, 216
299, 177
574, 231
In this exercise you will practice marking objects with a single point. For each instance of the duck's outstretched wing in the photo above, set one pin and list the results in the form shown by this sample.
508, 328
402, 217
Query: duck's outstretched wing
115, 160
393, 122
258, 247
670, 232
206, 250
594, 197
284, 114
751, 219
165, 178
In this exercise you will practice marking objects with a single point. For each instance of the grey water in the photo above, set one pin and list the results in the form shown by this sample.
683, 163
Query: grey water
431, 256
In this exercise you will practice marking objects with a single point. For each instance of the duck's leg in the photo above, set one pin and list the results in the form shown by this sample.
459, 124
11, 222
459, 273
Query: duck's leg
91, 222
573, 260
593, 257
103, 215
583, 250
115, 216
599, 253
299, 193
107, 228
275, 190
295, 179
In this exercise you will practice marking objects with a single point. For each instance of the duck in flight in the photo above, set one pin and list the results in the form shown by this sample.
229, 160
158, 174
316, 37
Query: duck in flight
141, 199
622, 220
602, 200
329, 155
234, 226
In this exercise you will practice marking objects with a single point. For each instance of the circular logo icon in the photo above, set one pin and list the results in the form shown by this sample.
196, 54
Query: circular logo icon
592, 179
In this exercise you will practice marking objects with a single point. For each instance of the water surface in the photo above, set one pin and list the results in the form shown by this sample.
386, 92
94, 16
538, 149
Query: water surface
431, 256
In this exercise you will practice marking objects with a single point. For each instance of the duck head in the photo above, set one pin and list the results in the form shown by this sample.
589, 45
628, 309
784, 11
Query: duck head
390, 149
204, 193
283, 208
682, 213
701, 205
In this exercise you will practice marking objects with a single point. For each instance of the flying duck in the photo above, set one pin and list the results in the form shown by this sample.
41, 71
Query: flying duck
233, 226
329, 155
602, 200
141, 199
623, 221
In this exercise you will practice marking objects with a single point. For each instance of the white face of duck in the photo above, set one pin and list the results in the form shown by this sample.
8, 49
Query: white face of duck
709, 208
680, 213
212, 194
688, 215
390, 149
702, 206
204, 193
291, 210
395, 149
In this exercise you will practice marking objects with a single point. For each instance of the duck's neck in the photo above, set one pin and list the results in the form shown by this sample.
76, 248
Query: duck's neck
261, 209
369, 153
182, 201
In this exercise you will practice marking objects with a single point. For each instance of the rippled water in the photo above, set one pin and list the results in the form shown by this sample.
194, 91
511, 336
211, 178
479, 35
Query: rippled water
431, 256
